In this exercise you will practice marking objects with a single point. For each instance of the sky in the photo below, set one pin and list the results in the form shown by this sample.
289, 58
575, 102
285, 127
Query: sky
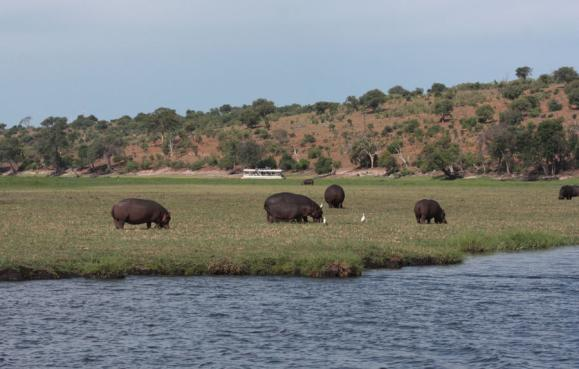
115, 57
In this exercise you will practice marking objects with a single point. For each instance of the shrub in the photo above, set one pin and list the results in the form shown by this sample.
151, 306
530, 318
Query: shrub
388, 161
308, 139
197, 165
314, 153
145, 164
287, 162
512, 91
268, 162
410, 126
433, 130
437, 89
324, 165
554, 105
303, 164
511, 117
469, 123
485, 113
132, 166
565, 74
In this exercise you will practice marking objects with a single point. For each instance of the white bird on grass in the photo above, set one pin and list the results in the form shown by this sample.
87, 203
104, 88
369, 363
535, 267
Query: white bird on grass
324, 221
363, 219
321, 205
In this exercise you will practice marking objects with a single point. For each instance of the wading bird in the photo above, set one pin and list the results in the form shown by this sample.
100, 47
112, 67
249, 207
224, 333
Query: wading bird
363, 219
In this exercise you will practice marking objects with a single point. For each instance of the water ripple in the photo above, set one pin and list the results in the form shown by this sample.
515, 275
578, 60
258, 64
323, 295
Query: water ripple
510, 310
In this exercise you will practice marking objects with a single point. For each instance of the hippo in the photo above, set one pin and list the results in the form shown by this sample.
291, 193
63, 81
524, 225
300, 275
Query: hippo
309, 182
288, 207
139, 211
425, 210
335, 196
568, 192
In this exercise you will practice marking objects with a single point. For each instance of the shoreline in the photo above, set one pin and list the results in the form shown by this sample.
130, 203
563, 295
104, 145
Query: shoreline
332, 270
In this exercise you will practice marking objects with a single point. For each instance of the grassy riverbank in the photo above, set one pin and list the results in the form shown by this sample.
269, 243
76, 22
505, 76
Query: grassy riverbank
53, 227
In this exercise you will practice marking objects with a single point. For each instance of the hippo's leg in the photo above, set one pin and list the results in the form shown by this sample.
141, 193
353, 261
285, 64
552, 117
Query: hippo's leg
428, 220
417, 219
148, 225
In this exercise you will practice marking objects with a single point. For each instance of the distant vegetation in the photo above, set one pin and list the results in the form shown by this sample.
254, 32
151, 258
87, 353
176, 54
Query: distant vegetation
522, 126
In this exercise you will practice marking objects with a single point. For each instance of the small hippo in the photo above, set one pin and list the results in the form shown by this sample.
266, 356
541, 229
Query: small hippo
335, 196
425, 210
309, 182
139, 211
568, 192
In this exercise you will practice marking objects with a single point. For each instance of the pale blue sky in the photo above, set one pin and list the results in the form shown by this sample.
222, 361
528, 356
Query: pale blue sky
116, 57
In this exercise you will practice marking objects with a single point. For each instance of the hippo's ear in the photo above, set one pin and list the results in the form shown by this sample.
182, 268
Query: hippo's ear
166, 217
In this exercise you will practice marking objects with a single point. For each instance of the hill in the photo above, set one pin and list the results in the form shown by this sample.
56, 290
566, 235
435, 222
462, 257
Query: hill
522, 126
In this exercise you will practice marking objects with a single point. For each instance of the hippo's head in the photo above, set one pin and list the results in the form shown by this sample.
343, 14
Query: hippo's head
317, 214
442, 218
165, 219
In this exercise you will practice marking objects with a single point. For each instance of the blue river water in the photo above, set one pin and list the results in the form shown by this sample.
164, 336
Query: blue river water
501, 311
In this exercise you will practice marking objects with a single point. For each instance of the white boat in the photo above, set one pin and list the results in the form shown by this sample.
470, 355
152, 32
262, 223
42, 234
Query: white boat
265, 173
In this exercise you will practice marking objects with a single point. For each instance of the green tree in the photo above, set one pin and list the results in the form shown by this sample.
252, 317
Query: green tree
523, 72
167, 123
442, 155
552, 144
565, 74
512, 91
287, 162
12, 152
501, 141
388, 161
263, 108
352, 103
398, 90
485, 113
250, 117
324, 165
443, 108
52, 142
437, 89
511, 117
373, 99
363, 152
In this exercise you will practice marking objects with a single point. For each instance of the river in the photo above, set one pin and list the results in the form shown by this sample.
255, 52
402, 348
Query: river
516, 310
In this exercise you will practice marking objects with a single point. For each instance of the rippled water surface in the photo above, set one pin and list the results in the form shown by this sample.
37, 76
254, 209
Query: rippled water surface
501, 311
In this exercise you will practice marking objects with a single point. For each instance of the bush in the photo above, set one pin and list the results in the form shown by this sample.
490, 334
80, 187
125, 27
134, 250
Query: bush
132, 166
267, 163
303, 164
512, 91
554, 105
565, 74
433, 130
287, 162
410, 126
388, 161
314, 153
437, 89
324, 165
511, 117
308, 139
469, 123
485, 113
197, 165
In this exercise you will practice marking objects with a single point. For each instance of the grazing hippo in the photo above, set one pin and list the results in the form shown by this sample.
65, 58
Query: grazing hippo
288, 207
335, 196
425, 210
308, 182
139, 211
568, 192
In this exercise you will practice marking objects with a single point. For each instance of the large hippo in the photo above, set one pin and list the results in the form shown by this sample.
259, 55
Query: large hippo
568, 192
139, 211
425, 210
335, 196
288, 207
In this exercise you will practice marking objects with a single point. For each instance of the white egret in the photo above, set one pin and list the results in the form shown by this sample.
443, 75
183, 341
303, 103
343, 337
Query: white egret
363, 219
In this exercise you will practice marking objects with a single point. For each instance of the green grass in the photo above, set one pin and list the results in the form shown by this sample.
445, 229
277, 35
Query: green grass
62, 226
